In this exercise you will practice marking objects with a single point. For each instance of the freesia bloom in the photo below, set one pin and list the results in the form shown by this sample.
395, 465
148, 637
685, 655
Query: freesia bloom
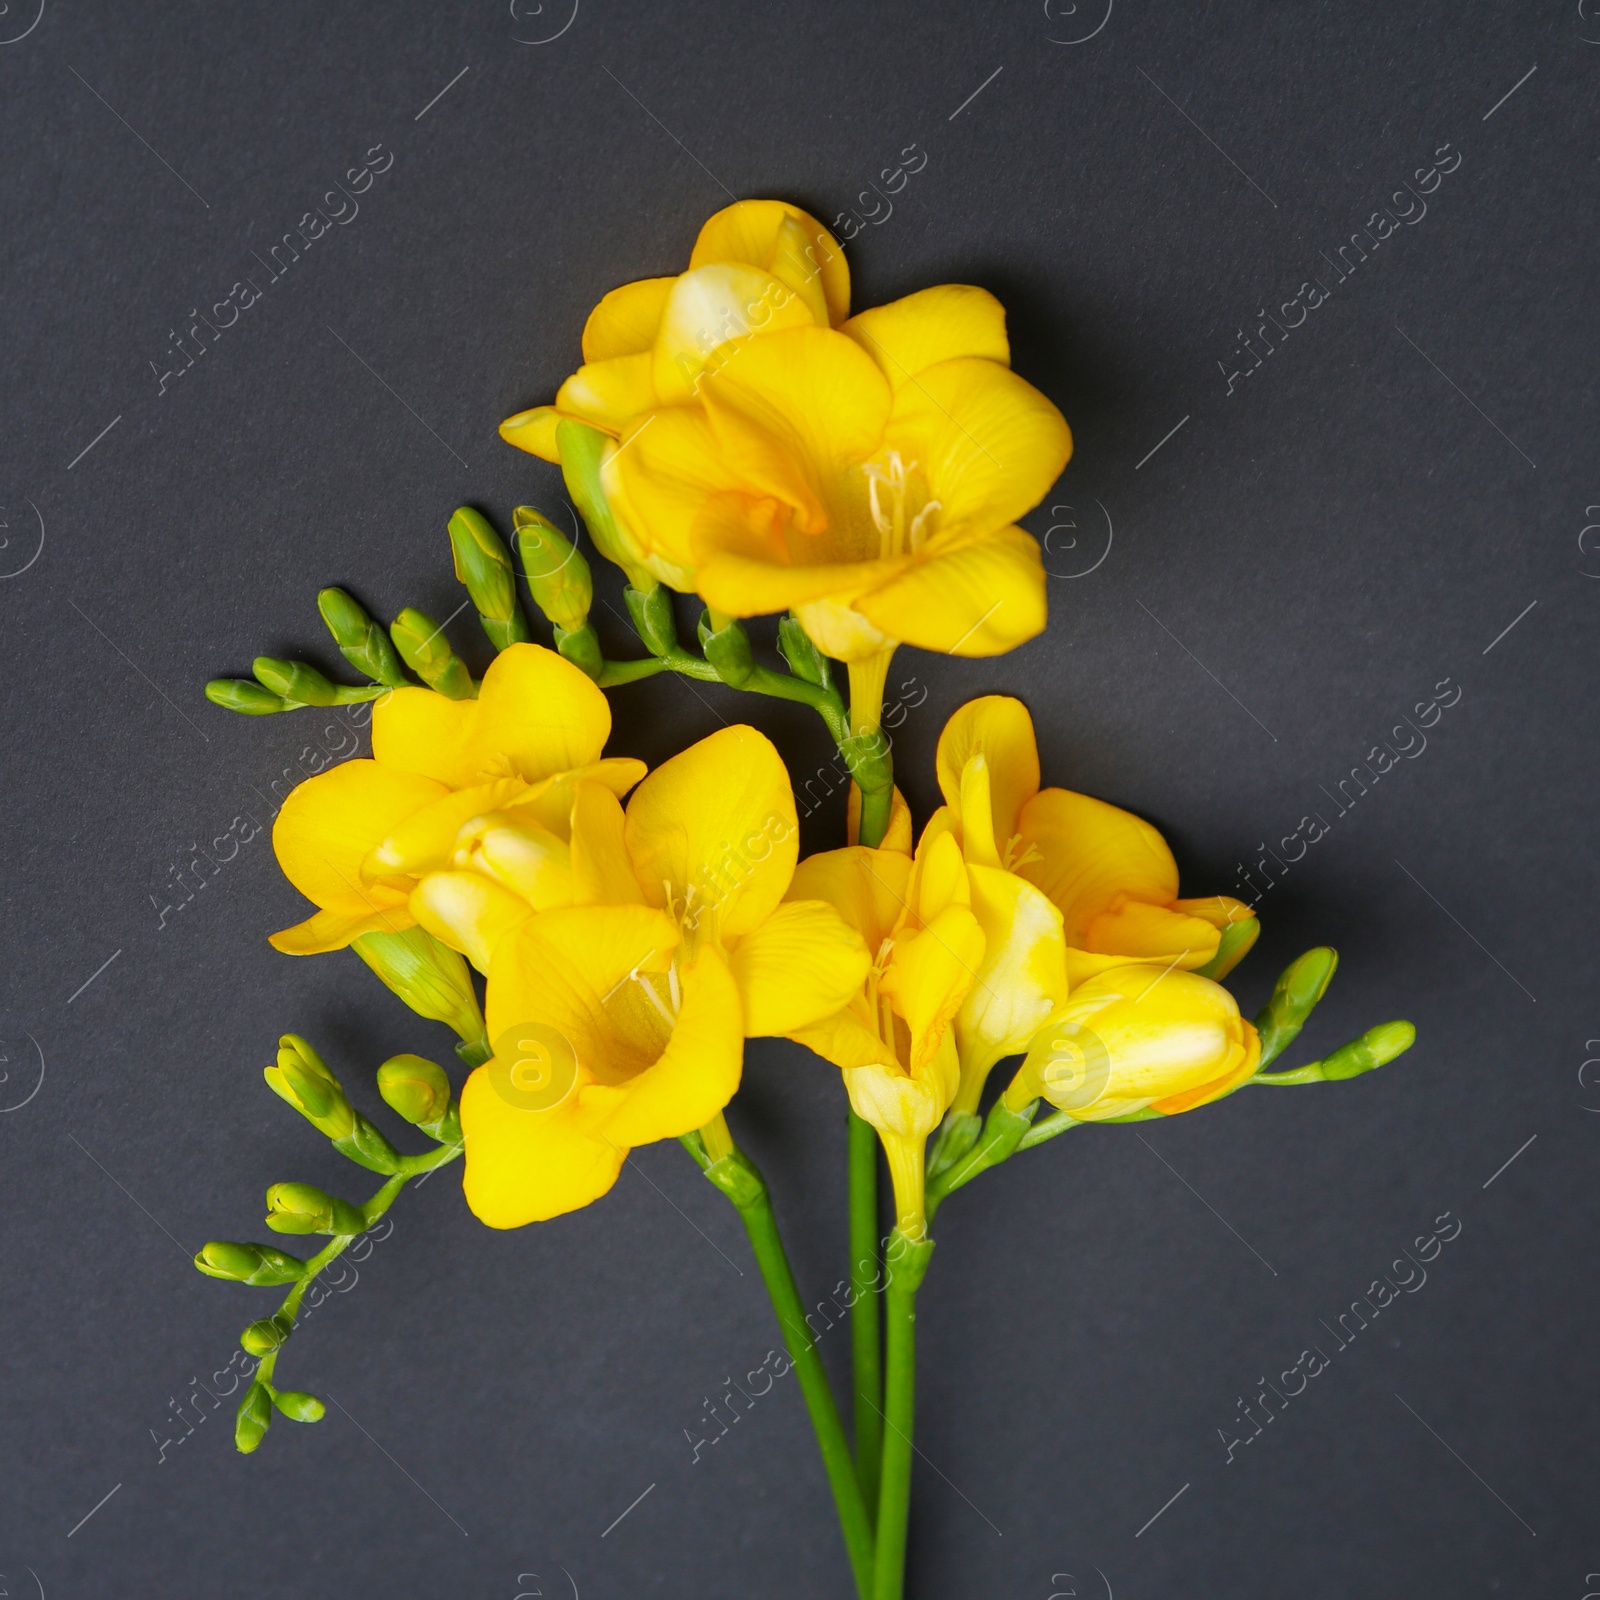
359, 839
1108, 872
1137, 1037
620, 1018
894, 1040
758, 265
867, 477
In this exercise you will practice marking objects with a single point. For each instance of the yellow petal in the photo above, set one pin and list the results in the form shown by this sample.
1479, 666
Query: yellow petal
601, 871
795, 262
1220, 910
749, 231
940, 324
698, 1072
976, 810
534, 431
940, 878
901, 1105
625, 321
1023, 978
528, 1165
802, 964
989, 444
658, 482
1244, 1058
330, 822
976, 599
867, 887
706, 308
715, 829
1000, 729
749, 587
846, 1038
930, 976
793, 412
549, 803
1088, 853
531, 862
468, 912
333, 930
426, 840
1141, 932
608, 394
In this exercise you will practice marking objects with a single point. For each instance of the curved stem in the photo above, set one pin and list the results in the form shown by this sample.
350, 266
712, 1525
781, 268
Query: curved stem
736, 1175
866, 1333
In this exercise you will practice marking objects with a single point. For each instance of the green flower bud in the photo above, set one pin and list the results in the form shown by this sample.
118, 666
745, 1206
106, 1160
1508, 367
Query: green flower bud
1295, 995
1237, 940
257, 1264
424, 648
558, 576
367, 1147
415, 1087
430, 977
255, 1417
582, 648
805, 660
303, 1208
1375, 1048
299, 1407
582, 450
653, 621
728, 650
263, 1337
483, 564
361, 641
247, 698
302, 1079
294, 680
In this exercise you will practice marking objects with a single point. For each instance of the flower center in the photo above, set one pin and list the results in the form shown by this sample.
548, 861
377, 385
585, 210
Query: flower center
897, 496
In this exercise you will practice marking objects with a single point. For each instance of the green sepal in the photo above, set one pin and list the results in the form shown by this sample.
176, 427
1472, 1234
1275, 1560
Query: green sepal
303, 1208
247, 698
1003, 1131
475, 1051
361, 640
1144, 1114
254, 1418
263, 1337
431, 978
418, 1089
260, 1265
582, 648
957, 1135
366, 1146
302, 1079
653, 619
1237, 940
424, 648
294, 680
867, 755
737, 1178
907, 1260
728, 650
1049, 1127
558, 576
298, 1406
1295, 995
805, 660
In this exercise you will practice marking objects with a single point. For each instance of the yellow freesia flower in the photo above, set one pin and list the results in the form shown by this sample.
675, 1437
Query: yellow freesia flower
1137, 1037
758, 265
867, 477
620, 1018
894, 1040
359, 839
1108, 872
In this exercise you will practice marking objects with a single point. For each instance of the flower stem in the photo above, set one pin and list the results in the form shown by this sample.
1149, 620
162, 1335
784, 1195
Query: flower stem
908, 1264
866, 1329
736, 1175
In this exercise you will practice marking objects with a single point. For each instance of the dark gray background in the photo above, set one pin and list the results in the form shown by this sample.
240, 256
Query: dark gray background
1361, 519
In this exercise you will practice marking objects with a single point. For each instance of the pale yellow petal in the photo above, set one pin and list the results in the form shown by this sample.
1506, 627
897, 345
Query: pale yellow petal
706, 308
468, 912
802, 964
714, 829
426, 840
749, 231
530, 861
534, 431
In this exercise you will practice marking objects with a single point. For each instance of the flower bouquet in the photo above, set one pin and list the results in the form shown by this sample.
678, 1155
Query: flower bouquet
603, 938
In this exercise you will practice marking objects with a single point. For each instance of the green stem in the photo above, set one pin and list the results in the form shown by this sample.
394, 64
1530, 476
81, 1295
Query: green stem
866, 1331
736, 1175
908, 1264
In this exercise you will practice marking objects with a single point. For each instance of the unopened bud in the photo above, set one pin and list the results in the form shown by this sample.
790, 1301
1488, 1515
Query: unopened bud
294, 680
483, 564
582, 451
255, 1417
431, 978
653, 621
1295, 995
558, 576
301, 1079
361, 640
263, 1337
298, 1406
415, 1087
257, 1264
303, 1208
424, 648
241, 695
805, 660
1375, 1048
